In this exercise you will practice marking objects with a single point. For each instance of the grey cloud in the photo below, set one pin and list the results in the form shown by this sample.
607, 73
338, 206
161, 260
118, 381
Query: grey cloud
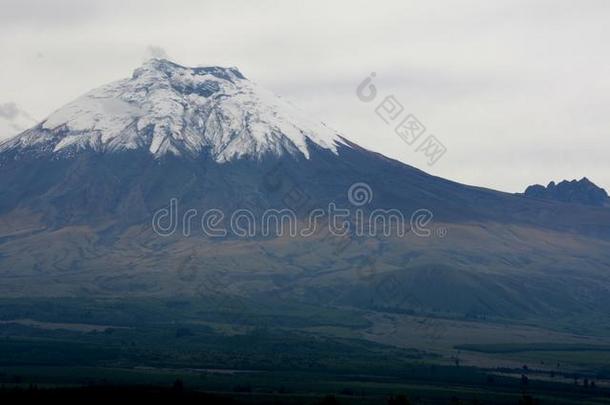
13, 120
157, 52
9, 110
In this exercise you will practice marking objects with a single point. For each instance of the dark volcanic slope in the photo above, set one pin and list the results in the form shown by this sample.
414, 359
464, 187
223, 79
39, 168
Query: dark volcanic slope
129, 186
81, 225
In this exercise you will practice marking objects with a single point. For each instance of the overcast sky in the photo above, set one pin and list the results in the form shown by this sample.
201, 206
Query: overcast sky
518, 91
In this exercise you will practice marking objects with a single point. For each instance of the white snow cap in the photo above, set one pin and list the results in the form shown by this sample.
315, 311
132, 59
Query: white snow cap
168, 108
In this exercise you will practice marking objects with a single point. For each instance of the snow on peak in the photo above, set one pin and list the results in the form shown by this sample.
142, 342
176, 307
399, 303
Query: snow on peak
168, 108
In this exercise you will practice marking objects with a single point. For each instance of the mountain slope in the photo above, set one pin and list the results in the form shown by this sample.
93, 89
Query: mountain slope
80, 190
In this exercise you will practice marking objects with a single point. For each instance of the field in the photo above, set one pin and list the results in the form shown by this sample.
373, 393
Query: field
282, 353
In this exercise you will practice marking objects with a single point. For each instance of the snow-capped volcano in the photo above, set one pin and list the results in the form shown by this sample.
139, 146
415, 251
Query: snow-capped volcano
79, 193
167, 108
